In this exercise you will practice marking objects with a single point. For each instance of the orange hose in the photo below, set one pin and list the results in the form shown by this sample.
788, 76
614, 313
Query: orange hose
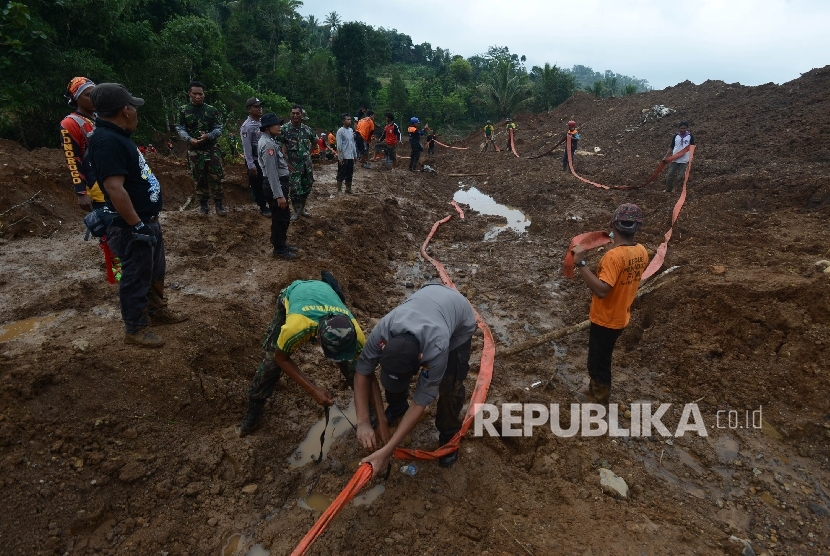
512, 144
449, 146
591, 240
364, 472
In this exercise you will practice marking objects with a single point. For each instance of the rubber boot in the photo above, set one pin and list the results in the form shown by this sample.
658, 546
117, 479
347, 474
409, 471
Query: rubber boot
340, 187
303, 211
253, 419
349, 187
220, 210
203, 207
297, 209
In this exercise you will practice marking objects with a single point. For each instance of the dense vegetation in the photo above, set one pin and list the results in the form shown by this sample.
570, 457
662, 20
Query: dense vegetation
264, 48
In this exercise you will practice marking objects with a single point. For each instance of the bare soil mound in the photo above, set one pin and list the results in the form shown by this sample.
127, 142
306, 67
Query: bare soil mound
110, 449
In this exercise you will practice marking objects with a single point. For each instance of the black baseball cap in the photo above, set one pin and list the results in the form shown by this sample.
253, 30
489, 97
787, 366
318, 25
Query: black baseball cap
399, 362
253, 101
108, 97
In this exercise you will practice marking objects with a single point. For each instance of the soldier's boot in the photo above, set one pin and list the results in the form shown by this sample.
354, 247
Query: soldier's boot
203, 207
144, 338
339, 186
303, 211
166, 316
253, 419
349, 187
297, 209
220, 210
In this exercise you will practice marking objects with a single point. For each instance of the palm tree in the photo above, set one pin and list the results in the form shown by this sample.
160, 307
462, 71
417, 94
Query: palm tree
333, 20
506, 89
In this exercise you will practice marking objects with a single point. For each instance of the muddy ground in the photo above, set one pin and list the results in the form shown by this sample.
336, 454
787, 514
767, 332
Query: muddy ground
111, 449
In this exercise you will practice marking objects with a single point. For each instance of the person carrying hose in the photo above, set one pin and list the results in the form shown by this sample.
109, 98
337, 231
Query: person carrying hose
679, 142
427, 338
614, 288
574, 134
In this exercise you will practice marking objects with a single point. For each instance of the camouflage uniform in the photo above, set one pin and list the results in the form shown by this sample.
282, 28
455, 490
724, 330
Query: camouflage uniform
298, 143
204, 160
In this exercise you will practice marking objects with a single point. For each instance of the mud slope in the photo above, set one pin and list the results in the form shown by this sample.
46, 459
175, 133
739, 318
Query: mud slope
108, 449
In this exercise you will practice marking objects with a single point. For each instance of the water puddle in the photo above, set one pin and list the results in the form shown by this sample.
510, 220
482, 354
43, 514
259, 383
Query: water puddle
314, 501
369, 496
23, 327
257, 550
484, 204
688, 459
726, 448
232, 546
309, 449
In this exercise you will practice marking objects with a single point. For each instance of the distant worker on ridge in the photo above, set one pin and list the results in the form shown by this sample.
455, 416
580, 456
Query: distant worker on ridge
574, 133
679, 142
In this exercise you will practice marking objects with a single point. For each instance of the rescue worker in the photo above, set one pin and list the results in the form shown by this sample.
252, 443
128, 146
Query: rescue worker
574, 134
275, 188
135, 235
295, 141
428, 338
488, 136
366, 128
249, 134
76, 129
346, 154
200, 125
391, 137
307, 310
415, 142
508, 126
678, 168
614, 288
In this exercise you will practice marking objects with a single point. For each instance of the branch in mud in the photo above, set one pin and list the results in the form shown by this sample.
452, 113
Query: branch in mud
561, 332
18, 205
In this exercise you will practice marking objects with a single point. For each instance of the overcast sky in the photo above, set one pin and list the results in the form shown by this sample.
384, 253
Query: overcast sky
665, 42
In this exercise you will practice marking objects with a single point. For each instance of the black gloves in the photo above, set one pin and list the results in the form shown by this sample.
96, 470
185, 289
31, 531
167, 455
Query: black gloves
143, 232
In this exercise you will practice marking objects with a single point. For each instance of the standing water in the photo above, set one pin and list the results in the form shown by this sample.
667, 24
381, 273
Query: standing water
309, 449
484, 204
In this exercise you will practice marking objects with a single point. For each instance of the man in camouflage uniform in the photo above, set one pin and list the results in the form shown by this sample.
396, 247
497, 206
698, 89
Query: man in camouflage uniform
200, 125
295, 142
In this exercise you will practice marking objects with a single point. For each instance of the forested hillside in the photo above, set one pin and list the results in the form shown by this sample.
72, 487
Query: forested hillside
242, 48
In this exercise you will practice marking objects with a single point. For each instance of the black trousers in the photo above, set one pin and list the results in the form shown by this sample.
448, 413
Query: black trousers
345, 171
256, 185
415, 156
451, 393
141, 290
280, 218
601, 343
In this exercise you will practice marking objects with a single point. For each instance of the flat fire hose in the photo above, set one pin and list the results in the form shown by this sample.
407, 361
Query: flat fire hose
364, 472
511, 142
592, 240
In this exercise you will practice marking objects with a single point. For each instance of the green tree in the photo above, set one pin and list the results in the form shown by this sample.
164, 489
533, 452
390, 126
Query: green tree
461, 71
357, 48
551, 87
505, 90
398, 96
